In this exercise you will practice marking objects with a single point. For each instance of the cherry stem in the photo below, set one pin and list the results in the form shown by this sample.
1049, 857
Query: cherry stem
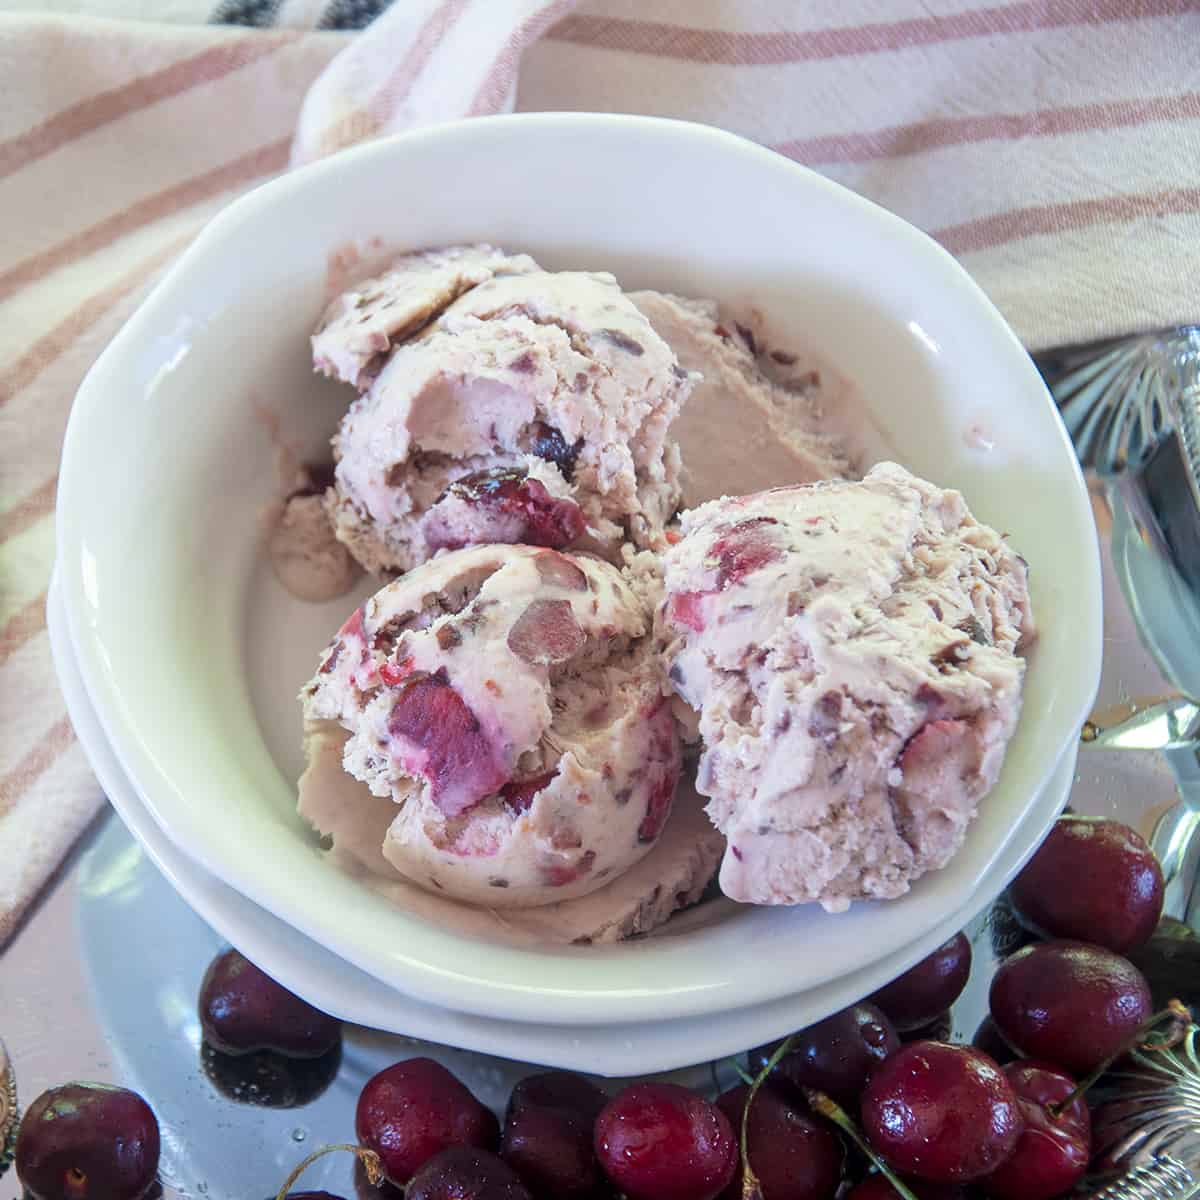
1175, 1011
751, 1188
368, 1158
828, 1108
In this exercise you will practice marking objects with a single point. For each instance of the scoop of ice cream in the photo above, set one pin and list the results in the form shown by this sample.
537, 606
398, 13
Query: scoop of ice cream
552, 382
756, 417
852, 649
509, 701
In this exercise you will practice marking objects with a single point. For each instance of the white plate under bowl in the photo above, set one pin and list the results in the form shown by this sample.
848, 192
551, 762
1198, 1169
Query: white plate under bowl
167, 463
324, 979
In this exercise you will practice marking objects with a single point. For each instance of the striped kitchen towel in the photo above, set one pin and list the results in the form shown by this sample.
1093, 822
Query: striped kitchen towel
1053, 145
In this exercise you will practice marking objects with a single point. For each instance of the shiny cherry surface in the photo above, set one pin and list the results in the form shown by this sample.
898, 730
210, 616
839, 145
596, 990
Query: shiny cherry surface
659, 1141
941, 1112
1069, 1003
414, 1109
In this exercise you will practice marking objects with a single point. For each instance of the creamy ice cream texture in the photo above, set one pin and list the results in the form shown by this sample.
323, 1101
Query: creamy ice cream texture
499, 403
853, 652
488, 735
508, 702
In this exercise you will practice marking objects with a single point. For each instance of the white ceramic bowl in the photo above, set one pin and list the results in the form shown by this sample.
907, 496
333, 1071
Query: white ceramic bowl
191, 655
634, 1048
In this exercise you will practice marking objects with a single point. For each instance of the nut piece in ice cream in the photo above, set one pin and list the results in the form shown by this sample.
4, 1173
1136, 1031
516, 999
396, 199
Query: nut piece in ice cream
509, 701
853, 652
500, 403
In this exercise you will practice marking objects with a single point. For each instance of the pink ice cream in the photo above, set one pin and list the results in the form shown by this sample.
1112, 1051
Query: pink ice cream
500, 403
853, 652
509, 701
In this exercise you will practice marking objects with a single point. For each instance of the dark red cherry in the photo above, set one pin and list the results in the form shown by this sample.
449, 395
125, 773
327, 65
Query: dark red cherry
548, 1135
552, 1151
87, 1141
466, 1173
836, 1055
242, 1009
1069, 1003
412, 1110
940, 1112
924, 992
1094, 880
659, 1141
794, 1155
1052, 1154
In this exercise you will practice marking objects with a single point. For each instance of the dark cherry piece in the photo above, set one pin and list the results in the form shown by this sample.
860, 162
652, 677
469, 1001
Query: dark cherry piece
1091, 879
466, 1173
412, 1110
310, 1196
1052, 1154
743, 549
836, 1055
460, 761
549, 443
87, 1141
794, 1155
877, 1187
559, 1089
1069, 1003
940, 1112
925, 991
990, 1040
243, 1009
511, 497
659, 1141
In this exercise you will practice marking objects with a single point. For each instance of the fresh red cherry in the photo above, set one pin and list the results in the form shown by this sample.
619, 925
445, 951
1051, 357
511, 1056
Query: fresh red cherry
924, 992
836, 1055
1052, 1154
1069, 1003
1091, 879
940, 1112
659, 1141
87, 1141
795, 1156
466, 1173
877, 1187
242, 1009
412, 1110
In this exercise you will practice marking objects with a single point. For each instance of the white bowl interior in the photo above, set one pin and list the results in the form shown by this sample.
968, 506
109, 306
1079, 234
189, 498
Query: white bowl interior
192, 655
